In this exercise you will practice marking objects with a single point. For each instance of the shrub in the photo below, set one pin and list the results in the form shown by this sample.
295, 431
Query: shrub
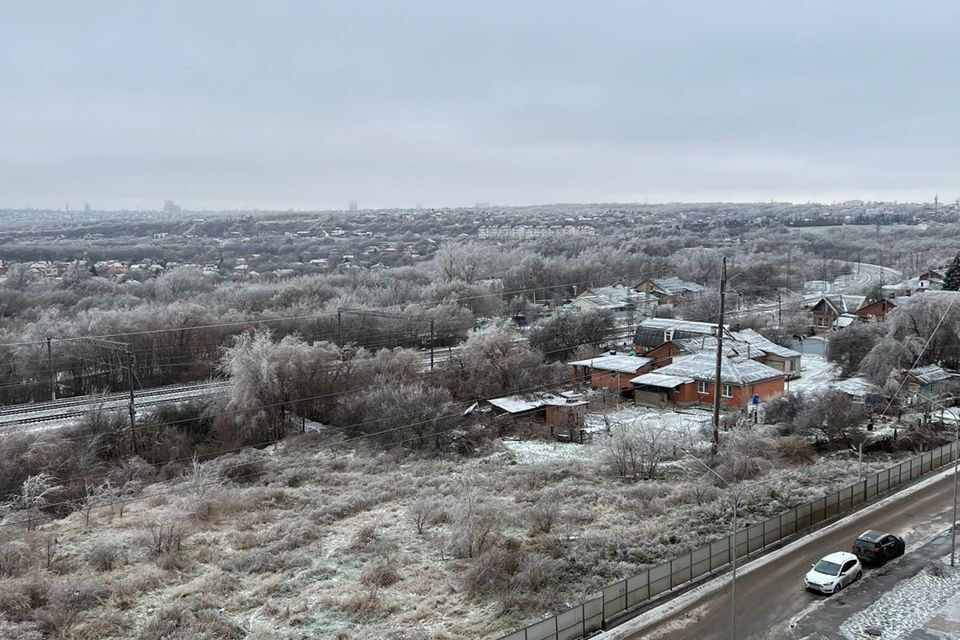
195, 616
382, 574
363, 537
244, 468
794, 451
105, 557
14, 558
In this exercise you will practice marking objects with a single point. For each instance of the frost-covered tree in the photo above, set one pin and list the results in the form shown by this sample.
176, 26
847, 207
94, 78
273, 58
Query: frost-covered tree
888, 356
636, 450
35, 494
951, 280
493, 361
270, 380
388, 412
934, 321
848, 347
559, 336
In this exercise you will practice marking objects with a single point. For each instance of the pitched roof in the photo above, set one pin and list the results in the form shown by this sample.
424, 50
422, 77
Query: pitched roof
522, 403
738, 371
621, 363
761, 342
672, 285
841, 304
931, 373
660, 380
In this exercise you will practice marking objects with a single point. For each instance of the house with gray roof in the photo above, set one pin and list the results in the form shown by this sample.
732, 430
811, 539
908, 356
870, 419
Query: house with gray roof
691, 380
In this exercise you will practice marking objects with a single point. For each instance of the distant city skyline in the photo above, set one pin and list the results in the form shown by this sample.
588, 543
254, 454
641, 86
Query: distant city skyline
304, 105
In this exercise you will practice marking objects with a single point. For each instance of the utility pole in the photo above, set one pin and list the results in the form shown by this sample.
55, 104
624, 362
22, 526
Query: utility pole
779, 309
132, 406
716, 379
340, 328
431, 344
53, 374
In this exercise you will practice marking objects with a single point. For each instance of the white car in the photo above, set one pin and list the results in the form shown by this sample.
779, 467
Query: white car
833, 573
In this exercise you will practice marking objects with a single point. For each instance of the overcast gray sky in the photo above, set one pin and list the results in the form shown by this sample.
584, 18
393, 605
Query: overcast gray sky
310, 103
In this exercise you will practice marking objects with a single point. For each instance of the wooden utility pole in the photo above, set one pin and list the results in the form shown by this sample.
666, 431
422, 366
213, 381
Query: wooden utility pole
53, 374
779, 309
716, 380
132, 407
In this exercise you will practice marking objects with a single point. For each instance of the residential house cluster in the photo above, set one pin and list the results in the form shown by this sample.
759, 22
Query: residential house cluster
643, 298
929, 280
521, 232
674, 363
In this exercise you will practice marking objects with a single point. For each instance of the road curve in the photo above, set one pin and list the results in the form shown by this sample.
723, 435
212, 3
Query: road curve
769, 596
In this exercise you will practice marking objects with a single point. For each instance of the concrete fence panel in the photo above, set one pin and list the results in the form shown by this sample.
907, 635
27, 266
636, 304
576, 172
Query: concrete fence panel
570, 624
771, 530
638, 588
593, 615
788, 523
804, 519
700, 562
720, 552
614, 599
680, 571
659, 579
543, 630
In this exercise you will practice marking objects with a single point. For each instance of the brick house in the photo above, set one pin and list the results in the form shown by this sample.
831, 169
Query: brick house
876, 311
664, 339
829, 310
690, 380
611, 371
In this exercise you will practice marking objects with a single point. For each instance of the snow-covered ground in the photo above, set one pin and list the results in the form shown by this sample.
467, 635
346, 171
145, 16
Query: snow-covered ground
907, 606
816, 374
685, 426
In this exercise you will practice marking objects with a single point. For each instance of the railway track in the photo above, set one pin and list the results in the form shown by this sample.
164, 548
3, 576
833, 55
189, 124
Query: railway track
15, 417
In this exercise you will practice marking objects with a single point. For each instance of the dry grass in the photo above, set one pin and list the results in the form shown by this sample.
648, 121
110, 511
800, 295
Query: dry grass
358, 545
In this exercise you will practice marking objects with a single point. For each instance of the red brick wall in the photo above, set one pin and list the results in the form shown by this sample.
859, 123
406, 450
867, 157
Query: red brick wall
742, 395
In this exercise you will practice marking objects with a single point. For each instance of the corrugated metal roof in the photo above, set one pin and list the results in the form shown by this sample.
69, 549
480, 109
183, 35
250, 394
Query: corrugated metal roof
704, 328
521, 403
702, 366
621, 363
931, 373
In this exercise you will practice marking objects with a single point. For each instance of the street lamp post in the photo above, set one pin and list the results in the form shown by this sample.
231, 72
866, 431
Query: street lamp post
956, 480
735, 493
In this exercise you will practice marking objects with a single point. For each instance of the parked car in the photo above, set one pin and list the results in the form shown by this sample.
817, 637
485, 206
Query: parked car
833, 573
877, 547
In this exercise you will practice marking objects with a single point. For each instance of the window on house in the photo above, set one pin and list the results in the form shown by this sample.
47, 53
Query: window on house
701, 387
821, 321
726, 391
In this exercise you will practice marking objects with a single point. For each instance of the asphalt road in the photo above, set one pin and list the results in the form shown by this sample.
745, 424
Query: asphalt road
770, 597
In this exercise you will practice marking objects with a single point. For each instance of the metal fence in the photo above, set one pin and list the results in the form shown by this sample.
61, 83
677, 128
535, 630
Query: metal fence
619, 598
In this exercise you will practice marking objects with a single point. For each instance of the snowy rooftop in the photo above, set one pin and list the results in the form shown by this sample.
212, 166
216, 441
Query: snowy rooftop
758, 341
671, 285
618, 362
931, 373
855, 387
526, 402
661, 380
705, 328
702, 366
